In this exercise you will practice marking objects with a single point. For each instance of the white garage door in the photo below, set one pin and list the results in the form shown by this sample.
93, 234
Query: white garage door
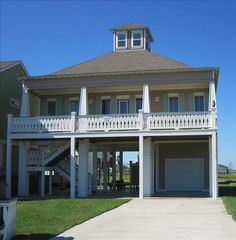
183, 174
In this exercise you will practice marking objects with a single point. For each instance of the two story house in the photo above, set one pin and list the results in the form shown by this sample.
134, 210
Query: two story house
127, 100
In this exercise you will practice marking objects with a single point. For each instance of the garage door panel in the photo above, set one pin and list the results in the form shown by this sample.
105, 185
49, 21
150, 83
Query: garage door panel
183, 174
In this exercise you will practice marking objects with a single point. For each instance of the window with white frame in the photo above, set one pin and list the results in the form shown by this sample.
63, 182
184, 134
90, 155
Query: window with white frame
199, 102
123, 106
137, 39
74, 105
173, 103
138, 104
51, 107
121, 40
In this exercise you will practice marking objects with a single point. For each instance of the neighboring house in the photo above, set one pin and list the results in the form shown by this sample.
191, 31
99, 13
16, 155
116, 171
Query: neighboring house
222, 169
10, 96
128, 100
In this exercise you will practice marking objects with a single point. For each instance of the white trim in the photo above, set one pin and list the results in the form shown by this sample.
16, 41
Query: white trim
141, 40
105, 97
120, 97
126, 40
187, 159
74, 99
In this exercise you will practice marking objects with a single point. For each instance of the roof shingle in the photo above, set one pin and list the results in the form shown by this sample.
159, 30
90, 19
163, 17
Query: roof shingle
126, 61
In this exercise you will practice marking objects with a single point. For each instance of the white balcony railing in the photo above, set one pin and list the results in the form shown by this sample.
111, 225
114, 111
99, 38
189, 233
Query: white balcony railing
113, 122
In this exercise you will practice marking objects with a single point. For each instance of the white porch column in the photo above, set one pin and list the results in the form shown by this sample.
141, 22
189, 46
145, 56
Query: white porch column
83, 104
83, 168
121, 165
24, 108
146, 99
147, 167
105, 169
113, 171
42, 183
22, 169
72, 167
141, 193
8, 158
50, 183
94, 186
214, 164
8, 169
212, 107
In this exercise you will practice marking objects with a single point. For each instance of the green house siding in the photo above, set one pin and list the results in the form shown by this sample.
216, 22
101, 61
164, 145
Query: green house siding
132, 104
165, 102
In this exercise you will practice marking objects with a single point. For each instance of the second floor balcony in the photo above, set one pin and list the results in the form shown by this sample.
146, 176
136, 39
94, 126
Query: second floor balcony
112, 122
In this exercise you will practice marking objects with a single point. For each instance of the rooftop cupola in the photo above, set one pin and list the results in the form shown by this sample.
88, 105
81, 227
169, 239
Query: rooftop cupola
131, 37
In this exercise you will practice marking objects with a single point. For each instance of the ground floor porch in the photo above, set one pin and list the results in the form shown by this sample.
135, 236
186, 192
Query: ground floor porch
164, 166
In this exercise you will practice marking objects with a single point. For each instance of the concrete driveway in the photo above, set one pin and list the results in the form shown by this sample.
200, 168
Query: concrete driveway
159, 218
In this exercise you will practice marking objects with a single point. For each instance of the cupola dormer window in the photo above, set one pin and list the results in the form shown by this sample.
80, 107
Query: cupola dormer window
137, 39
121, 40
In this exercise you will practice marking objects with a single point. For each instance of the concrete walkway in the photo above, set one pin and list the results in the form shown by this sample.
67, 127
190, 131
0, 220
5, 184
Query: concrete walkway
159, 218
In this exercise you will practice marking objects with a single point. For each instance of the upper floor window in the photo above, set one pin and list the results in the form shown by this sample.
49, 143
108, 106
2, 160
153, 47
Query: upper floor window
173, 103
121, 40
137, 39
106, 106
123, 106
199, 102
74, 105
139, 104
51, 107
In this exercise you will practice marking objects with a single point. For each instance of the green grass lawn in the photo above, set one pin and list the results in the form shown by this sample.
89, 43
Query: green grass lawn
227, 190
41, 219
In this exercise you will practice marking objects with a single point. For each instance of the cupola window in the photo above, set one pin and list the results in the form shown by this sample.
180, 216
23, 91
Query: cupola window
121, 40
137, 39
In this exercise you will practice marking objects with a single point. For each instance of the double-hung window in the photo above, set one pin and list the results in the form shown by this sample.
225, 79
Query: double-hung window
137, 39
173, 103
199, 102
121, 40
138, 104
74, 105
51, 107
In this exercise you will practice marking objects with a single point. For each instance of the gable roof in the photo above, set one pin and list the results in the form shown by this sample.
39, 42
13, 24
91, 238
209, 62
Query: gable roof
133, 26
5, 65
126, 61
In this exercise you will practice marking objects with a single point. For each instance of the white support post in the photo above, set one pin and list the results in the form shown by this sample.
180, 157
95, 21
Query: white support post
24, 108
50, 183
83, 168
94, 186
146, 99
83, 104
210, 165
72, 167
73, 123
157, 167
147, 167
8, 158
214, 165
113, 171
141, 193
42, 183
22, 169
121, 165
105, 169
212, 103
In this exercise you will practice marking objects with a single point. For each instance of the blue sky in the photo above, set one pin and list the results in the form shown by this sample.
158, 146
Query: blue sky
51, 35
